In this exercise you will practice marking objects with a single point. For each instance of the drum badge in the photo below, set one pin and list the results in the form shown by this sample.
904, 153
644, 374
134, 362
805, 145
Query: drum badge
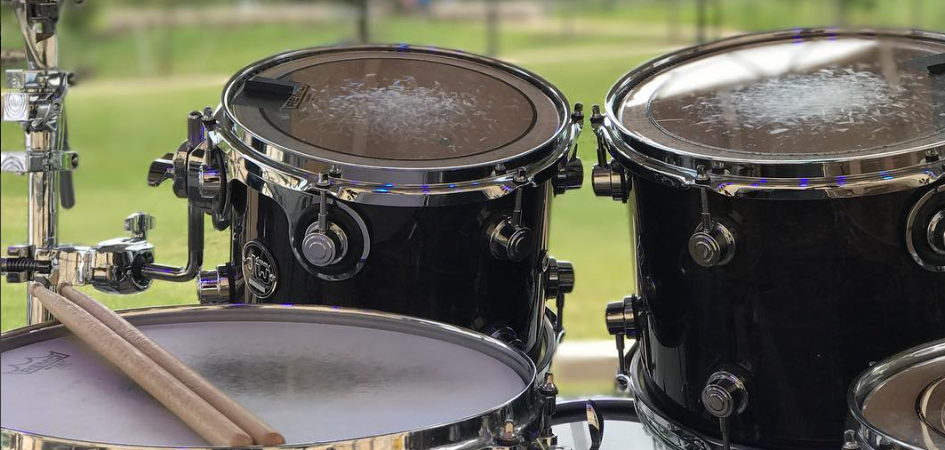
260, 270
33, 364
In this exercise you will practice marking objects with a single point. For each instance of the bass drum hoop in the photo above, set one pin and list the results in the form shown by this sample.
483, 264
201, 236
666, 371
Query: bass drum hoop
524, 409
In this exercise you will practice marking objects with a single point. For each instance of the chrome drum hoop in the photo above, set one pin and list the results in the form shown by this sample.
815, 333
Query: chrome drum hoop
666, 431
472, 433
257, 169
380, 185
868, 435
823, 177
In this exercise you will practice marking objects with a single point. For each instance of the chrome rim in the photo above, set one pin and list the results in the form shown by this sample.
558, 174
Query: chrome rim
867, 433
253, 158
818, 177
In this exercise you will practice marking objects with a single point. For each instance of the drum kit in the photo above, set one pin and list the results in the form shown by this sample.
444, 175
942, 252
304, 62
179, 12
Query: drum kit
389, 276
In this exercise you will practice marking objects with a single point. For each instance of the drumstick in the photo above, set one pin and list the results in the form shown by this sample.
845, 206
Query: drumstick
262, 433
169, 391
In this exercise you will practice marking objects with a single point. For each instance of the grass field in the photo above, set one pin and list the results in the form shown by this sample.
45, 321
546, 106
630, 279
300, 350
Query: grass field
120, 122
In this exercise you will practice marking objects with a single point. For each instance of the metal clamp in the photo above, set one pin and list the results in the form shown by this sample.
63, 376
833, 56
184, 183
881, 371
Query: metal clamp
29, 162
215, 286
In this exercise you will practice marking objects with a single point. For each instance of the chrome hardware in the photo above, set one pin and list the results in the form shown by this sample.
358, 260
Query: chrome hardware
29, 162
849, 441
20, 265
559, 278
508, 239
570, 173
925, 230
325, 242
161, 170
715, 248
610, 181
725, 395
324, 248
712, 244
509, 438
194, 253
214, 287
549, 391
936, 232
608, 178
138, 224
621, 319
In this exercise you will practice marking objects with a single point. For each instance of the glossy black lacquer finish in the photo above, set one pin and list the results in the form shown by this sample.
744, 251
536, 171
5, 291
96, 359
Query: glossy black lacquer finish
427, 262
817, 290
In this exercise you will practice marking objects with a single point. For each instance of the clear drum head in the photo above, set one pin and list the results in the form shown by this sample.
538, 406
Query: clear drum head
900, 403
802, 104
318, 375
397, 115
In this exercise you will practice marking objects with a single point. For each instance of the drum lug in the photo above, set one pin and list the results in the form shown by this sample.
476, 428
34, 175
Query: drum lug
571, 171
325, 242
610, 180
712, 244
607, 177
622, 318
508, 438
724, 396
849, 441
215, 286
508, 239
549, 392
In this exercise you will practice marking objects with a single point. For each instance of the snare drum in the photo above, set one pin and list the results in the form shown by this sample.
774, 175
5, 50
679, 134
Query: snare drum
899, 404
324, 377
789, 199
405, 179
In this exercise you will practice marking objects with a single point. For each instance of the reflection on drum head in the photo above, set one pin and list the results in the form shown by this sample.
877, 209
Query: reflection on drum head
802, 97
312, 382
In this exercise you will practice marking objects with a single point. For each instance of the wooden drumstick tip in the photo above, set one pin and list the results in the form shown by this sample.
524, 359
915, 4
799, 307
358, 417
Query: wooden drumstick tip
272, 439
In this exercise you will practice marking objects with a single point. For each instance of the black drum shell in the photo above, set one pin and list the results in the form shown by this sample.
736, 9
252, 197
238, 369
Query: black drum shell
817, 291
430, 262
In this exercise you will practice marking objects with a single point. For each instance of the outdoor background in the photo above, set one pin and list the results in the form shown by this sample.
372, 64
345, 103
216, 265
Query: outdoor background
143, 65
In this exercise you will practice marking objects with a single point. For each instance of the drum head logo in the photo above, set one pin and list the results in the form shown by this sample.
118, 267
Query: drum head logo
33, 364
259, 269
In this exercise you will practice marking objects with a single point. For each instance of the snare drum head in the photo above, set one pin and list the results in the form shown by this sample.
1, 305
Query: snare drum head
314, 376
903, 400
399, 107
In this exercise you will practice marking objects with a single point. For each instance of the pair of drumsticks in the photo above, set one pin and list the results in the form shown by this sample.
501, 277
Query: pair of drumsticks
211, 413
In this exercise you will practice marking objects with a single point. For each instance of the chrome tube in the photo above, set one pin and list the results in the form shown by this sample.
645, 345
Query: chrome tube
41, 54
194, 253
